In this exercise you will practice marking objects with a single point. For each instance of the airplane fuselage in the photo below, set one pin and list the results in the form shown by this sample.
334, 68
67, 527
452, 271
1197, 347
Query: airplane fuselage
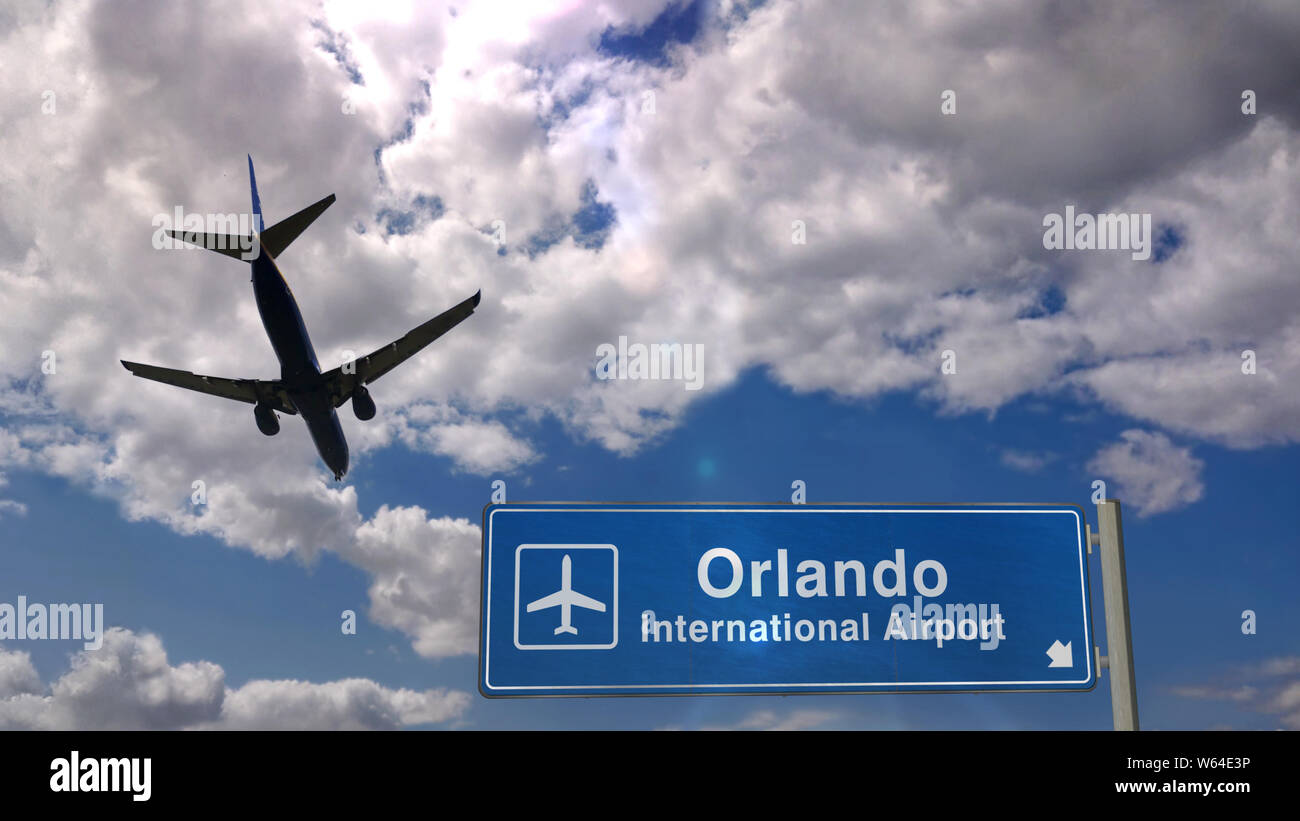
565, 598
566, 589
299, 369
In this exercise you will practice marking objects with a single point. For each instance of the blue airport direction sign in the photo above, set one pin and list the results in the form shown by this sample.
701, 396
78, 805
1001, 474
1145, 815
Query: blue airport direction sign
585, 599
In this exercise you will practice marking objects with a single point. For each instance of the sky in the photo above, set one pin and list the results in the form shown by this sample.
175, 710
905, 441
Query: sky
834, 199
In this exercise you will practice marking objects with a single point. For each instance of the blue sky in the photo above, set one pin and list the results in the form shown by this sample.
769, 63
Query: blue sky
774, 181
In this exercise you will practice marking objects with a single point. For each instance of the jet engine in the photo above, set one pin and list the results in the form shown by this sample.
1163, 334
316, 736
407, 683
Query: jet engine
267, 423
362, 405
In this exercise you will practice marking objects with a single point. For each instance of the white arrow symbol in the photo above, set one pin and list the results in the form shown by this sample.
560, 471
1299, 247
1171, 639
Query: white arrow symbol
1061, 654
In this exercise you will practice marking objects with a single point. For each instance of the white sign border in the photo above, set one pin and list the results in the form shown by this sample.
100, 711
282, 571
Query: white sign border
759, 688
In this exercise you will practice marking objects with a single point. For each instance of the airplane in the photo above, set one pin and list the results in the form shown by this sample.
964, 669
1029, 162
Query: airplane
565, 598
302, 388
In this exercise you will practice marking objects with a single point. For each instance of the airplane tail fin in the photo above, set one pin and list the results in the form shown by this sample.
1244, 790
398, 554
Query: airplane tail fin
563, 629
273, 240
279, 236
257, 201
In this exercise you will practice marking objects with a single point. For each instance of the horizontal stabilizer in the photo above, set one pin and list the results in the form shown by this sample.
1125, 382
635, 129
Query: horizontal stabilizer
273, 240
276, 238
240, 248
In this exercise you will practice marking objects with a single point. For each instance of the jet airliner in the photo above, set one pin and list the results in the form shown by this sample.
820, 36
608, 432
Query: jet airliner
565, 598
302, 388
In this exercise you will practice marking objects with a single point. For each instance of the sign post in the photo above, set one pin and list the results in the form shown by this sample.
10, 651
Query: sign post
1119, 634
687, 599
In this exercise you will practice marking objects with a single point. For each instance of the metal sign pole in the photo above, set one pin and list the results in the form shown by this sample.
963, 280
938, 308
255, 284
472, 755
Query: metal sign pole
1119, 635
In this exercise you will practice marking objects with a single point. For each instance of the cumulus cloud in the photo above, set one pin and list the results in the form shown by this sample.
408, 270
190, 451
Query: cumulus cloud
923, 234
475, 445
424, 570
17, 674
351, 704
425, 577
125, 684
1150, 472
128, 684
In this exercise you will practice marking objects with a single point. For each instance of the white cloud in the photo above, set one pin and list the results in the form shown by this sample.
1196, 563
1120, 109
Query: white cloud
1026, 461
125, 684
1151, 472
351, 704
17, 674
12, 507
1242, 693
476, 446
1274, 689
128, 684
799, 719
424, 577
1281, 666
793, 720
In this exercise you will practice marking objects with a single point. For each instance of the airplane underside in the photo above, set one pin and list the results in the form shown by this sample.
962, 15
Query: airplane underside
302, 388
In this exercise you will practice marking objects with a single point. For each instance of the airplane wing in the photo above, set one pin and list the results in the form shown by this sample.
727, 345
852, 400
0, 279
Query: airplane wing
251, 391
554, 600
376, 364
583, 601
562, 597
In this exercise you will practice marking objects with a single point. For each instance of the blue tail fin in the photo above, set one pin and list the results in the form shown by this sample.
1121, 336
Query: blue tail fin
257, 201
